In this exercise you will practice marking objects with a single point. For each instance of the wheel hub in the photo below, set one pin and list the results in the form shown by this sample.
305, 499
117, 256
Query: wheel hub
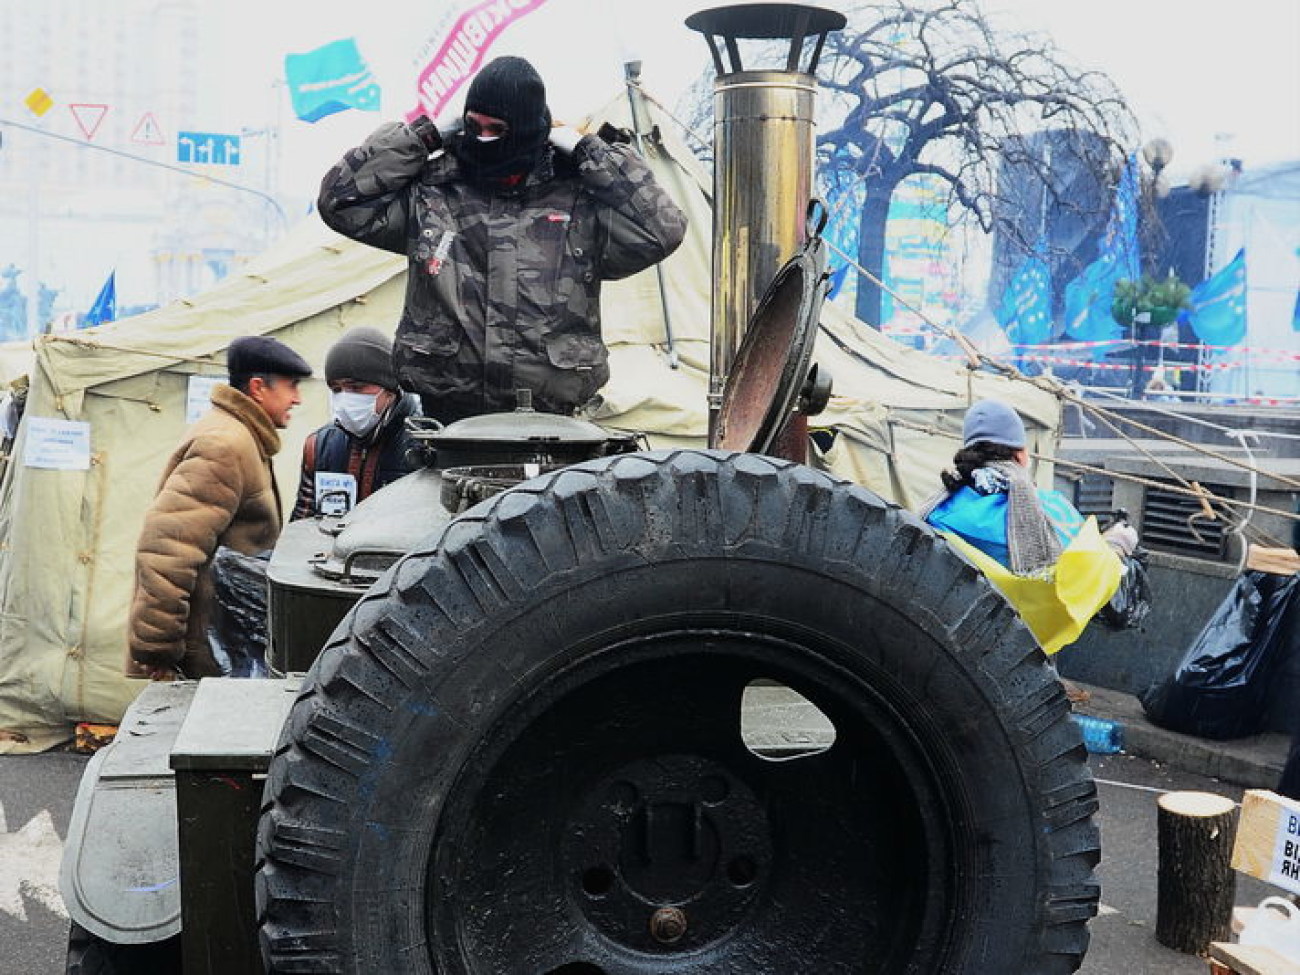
667, 854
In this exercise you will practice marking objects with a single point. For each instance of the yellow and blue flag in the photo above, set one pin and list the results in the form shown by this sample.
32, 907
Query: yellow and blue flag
330, 79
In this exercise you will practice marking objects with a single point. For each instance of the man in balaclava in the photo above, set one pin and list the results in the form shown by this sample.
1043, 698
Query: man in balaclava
366, 445
506, 122
510, 225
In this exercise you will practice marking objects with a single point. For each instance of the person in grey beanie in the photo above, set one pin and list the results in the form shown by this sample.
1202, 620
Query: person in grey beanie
990, 501
367, 444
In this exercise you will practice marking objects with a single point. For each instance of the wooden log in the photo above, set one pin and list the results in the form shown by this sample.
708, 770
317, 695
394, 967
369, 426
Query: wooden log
1195, 883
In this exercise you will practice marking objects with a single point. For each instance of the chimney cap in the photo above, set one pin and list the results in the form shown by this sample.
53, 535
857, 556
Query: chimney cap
766, 21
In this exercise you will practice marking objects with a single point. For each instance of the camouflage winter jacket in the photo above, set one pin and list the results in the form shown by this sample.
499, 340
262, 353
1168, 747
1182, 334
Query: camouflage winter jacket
504, 287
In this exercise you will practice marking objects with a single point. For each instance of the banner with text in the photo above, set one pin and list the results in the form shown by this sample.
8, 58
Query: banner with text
461, 48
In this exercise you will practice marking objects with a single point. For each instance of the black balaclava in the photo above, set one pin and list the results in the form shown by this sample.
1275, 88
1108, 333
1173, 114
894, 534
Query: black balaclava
510, 89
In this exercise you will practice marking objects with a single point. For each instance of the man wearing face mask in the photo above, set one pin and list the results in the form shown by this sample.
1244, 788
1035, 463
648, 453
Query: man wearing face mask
510, 225
366, 445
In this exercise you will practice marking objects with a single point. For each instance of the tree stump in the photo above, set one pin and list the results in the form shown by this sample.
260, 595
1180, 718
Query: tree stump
1196, 885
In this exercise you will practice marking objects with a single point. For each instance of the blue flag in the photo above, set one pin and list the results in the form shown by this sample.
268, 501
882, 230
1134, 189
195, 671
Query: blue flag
1026, 307
1121, 229
105, 307
1088, 298
838, 277
330, 79
1295, 314
1087, 302
1218, 312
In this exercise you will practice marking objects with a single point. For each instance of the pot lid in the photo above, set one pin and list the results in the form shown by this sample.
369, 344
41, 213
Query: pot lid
522, 425
772, 364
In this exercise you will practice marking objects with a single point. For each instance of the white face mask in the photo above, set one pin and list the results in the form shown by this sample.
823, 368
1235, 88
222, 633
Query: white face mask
355, 412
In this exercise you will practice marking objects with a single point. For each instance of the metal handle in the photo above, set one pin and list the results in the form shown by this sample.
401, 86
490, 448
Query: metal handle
816, 219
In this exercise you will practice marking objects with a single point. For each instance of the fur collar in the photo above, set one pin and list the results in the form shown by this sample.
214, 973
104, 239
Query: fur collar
247, 412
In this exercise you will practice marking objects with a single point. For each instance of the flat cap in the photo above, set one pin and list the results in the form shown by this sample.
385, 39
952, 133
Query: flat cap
993, 421
253, 354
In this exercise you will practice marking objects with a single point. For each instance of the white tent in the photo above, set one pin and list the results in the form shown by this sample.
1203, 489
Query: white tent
67, 536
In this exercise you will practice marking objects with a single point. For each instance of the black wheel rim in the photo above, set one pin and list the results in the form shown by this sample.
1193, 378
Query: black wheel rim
614, 821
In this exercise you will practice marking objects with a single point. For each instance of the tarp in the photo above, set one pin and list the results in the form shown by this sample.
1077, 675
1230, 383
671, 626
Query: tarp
68, 537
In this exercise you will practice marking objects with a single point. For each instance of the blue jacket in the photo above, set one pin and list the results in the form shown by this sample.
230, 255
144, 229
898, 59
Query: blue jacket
981, 519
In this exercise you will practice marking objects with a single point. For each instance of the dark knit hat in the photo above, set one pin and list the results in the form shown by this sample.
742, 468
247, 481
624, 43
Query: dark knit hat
992, 421
363, 354
510, 89
251, 355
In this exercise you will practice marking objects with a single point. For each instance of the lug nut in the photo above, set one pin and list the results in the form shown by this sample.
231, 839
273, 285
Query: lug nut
667, 925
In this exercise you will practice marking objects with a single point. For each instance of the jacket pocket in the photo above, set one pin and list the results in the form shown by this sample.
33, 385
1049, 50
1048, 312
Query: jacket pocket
578, 368
576, 350
421, 339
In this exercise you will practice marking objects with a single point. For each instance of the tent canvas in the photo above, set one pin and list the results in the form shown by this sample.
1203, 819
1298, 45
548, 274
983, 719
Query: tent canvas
67, 537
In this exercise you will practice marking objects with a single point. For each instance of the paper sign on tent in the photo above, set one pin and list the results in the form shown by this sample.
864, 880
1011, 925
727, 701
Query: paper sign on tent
148, 131
89, 117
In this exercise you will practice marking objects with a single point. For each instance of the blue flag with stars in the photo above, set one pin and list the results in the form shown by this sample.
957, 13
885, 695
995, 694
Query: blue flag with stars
1026, 307
1087, 302
1088, 298
105, 307
1218, 313
330, 79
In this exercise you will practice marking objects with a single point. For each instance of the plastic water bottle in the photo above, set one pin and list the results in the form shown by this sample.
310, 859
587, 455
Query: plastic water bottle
1100, 735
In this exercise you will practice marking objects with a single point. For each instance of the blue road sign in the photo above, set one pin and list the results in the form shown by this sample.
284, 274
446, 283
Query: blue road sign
212, 148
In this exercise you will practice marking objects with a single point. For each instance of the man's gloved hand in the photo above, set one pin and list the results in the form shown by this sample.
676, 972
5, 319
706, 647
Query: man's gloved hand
565, 138
1122, 537
434, 136
424, 130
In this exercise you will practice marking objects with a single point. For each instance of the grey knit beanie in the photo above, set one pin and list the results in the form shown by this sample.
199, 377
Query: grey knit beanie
992, 421
363, 354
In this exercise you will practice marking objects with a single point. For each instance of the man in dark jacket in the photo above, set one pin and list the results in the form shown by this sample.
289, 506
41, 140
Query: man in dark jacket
367, 444
510, 225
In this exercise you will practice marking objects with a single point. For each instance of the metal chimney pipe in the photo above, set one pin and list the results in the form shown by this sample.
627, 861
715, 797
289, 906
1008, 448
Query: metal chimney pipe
762, 161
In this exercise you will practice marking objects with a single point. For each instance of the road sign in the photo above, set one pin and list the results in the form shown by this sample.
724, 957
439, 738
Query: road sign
38, 101
148, 131
89, 116
207, 147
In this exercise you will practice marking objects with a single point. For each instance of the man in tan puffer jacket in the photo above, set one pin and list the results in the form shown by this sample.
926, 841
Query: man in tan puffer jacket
218, 488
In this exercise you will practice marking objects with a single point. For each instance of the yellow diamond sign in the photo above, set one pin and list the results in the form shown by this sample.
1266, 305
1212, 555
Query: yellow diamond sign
39, 101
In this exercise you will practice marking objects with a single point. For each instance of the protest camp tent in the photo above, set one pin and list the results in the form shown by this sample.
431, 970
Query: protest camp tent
68, 533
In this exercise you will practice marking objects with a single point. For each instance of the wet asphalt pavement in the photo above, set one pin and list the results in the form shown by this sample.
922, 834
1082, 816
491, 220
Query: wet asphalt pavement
37, 793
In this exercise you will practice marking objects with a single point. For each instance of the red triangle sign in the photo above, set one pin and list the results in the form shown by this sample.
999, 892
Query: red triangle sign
89, 117
148, 131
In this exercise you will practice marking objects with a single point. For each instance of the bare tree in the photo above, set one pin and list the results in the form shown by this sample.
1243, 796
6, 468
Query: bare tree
934, 88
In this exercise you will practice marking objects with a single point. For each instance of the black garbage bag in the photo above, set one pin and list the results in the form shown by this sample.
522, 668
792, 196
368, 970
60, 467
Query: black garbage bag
1132, 600
237, 630
1220, 688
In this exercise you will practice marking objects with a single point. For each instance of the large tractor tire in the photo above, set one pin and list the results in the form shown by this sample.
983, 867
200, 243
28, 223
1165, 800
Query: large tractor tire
522, 751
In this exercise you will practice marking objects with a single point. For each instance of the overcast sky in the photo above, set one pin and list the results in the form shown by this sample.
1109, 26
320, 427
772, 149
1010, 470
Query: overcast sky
1223, 82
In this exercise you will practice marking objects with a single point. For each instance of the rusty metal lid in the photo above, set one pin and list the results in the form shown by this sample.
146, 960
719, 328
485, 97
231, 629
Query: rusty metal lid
771, 367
